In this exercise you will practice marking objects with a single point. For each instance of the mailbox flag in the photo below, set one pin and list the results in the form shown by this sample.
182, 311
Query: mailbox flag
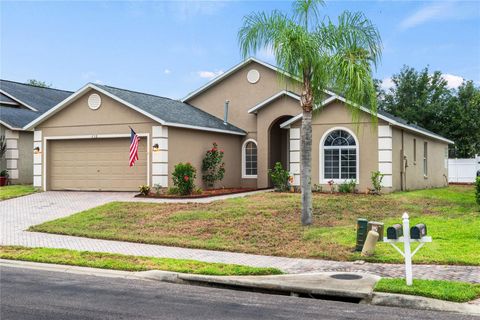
134, 140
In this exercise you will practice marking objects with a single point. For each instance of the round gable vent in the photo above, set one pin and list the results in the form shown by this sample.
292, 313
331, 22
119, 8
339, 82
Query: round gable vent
94, 101
253, 76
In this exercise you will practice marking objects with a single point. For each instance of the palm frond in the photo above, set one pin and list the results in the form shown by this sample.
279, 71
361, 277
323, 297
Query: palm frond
307, 12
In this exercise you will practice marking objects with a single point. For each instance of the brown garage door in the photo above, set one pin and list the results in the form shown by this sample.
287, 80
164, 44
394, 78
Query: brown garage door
95, 164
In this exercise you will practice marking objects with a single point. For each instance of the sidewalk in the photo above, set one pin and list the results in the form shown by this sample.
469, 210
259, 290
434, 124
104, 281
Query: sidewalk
18, 214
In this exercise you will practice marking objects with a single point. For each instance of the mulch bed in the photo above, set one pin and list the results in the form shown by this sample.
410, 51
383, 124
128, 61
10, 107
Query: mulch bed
204, 194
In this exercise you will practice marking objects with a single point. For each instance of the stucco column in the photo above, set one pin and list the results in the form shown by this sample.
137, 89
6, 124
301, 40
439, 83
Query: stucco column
385, 155
37, 159
160, 156
12, 138
262, 158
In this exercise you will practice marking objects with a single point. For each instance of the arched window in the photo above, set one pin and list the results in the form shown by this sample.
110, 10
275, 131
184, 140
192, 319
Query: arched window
340, 156
249, 159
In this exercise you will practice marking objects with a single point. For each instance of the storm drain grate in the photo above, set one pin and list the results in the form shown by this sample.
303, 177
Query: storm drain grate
346, 276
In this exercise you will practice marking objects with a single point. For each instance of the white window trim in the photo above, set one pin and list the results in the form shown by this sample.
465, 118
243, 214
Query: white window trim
321, 157
244, 168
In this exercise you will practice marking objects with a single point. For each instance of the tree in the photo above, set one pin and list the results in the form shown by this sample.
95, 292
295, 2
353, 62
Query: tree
418, 97
423, 98
38, 83
461, 121
320, 55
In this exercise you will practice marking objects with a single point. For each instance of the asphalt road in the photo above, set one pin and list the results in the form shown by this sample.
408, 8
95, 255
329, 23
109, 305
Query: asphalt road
33, 294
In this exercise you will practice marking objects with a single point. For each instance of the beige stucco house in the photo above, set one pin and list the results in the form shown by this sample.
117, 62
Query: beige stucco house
20, 104
82, 142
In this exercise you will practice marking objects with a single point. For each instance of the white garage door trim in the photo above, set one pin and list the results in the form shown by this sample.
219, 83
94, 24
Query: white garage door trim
92, 136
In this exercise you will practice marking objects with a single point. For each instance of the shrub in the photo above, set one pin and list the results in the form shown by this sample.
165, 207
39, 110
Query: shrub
3, 146
280, 177
213, 167
144, 190
173, 190
348, 186
477, 190
377, 178
183, 177
158, 188
317, 188
331, 184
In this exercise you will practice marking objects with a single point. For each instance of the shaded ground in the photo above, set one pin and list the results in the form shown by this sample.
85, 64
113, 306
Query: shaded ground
269, 224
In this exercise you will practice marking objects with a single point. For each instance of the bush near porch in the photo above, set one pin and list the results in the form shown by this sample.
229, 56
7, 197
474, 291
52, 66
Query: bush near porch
269, 224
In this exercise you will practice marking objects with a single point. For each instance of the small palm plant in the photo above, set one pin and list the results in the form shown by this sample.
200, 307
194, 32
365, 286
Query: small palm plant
3, 146
320, 55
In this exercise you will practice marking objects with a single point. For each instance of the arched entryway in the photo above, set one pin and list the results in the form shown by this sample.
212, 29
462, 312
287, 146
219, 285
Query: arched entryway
278, 145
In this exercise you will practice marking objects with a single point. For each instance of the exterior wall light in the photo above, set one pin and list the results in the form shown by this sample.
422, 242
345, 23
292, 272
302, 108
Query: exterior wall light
156, 147
36, 150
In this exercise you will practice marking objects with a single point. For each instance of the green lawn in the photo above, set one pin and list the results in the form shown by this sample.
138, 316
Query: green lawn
438, 289
8, 192
128, 263
269, 224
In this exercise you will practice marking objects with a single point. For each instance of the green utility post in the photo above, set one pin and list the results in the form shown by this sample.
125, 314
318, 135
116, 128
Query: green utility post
362, 225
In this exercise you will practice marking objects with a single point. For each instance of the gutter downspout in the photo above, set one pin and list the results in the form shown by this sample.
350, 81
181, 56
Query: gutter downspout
225, 112
402, 166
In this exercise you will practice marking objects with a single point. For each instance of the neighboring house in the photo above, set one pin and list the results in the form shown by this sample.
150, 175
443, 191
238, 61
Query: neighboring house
20, 104
250, 113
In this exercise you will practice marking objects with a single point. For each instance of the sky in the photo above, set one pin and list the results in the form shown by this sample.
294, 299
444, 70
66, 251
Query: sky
173, 48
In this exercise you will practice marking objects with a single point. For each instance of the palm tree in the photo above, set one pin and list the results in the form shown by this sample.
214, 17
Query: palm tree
320, 55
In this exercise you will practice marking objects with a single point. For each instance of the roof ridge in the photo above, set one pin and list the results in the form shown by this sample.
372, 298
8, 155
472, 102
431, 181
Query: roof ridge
134, 91
31, 85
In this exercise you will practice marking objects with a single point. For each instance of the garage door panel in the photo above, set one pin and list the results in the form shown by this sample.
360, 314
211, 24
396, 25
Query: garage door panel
95, 164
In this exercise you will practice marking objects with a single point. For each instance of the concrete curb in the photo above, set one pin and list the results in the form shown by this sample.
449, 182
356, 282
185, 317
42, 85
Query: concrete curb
261, 282
311, 284
69, 269
423, 303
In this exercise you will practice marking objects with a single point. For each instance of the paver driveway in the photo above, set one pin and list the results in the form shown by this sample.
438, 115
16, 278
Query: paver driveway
16, 215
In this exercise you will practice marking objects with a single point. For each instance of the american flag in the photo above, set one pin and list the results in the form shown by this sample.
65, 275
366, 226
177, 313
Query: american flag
134, 139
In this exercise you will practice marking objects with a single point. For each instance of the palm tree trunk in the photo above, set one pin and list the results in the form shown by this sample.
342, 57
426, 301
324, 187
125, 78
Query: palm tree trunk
306, 167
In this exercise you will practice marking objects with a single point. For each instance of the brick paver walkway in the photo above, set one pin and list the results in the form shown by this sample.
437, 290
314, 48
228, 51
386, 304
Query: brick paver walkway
16, 215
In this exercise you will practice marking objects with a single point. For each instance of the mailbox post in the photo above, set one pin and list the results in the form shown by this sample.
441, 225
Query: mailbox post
407, 253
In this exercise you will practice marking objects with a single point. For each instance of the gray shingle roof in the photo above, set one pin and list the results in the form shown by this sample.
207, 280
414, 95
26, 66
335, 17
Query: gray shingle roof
171, 111
17, 117
408, 124
42, 99
5, 99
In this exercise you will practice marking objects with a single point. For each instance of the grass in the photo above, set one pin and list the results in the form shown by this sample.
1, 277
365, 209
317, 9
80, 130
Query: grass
438, 289
14, 191
128, 263
269, 224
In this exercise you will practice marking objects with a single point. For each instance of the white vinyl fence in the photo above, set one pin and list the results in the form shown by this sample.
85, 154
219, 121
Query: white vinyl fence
463, 170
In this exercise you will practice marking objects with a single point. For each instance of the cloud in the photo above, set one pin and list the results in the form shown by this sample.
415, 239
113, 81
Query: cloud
447, 10
453, 81
184, 10
167, 71
387, 83
425, 14
209, 74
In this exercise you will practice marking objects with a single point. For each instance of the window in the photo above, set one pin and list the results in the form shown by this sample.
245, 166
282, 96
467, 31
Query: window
414, 151
340, 160
249, 159
425, 159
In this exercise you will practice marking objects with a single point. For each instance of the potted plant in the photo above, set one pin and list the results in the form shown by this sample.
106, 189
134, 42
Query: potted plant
3, 178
